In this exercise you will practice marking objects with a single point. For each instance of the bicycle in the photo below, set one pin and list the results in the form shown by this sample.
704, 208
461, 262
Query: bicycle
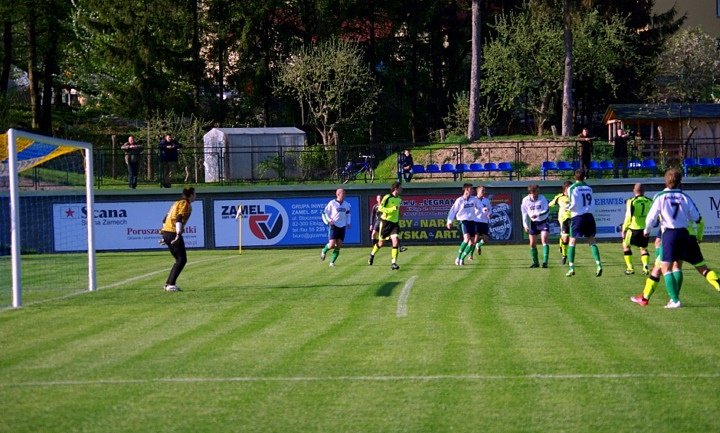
355, 170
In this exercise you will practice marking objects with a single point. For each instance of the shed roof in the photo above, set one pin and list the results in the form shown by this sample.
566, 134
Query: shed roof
261, 131
650, 112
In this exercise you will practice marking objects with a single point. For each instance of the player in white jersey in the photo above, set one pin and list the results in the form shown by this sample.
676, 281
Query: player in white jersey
582, 221
464, 211
535, 211
483, 213
337, 216
673, 211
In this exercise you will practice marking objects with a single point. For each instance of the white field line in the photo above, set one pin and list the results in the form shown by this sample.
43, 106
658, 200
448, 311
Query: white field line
429, 378
119, 283
402, 308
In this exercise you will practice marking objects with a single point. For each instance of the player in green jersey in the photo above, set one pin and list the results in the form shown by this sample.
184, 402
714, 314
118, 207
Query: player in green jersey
389, 224
636, 210
561, 201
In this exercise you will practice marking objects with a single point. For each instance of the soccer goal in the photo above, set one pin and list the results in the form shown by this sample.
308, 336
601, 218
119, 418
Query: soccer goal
47, 251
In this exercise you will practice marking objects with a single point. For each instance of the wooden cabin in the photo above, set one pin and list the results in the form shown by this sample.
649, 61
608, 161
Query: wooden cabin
668, 130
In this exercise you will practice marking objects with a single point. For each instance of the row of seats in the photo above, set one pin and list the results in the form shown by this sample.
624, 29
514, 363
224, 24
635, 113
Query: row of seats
690, 163
459, 169
606, 165
548, 167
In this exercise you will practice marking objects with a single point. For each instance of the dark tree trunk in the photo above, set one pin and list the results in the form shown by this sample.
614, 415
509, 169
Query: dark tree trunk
567, 104
33, 77
473, 132
196, 62
7, 56
50, 66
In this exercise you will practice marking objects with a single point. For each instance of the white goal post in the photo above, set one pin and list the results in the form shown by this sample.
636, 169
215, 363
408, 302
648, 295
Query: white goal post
26, 150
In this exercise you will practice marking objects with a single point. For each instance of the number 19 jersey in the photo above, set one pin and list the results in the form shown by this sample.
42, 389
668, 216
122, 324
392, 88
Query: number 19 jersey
580, 199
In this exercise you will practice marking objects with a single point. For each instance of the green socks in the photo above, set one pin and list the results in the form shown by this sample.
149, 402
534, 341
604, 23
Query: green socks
595, 253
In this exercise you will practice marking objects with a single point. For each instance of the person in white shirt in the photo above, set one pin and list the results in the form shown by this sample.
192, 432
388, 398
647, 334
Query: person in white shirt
483, 213
337, 216
535, 211
673, 211
582, 221
463, 210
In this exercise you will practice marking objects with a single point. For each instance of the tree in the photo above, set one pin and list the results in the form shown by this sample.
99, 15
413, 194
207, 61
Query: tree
567, 100
689, 67
473, 131
139, 54
331, 83
523, 64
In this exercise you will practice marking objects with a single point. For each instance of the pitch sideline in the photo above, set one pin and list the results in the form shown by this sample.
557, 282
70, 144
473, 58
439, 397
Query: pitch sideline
429, 378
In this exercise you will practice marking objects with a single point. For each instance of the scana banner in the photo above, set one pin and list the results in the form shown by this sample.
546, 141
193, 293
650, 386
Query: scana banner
121, 226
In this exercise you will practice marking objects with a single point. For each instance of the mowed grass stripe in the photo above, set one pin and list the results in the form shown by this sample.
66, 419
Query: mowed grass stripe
277, 341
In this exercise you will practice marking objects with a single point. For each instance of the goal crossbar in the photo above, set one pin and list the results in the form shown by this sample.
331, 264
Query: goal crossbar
26, 150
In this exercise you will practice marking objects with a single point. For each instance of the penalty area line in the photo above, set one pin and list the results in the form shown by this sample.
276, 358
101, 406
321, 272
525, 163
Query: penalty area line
429, 378
402, 308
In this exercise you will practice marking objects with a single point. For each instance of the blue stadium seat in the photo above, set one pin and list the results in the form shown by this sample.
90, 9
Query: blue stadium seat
564, 165
507, 168
594, 165
688, 164
705, 162
490, 166
546, 167
476, 166
418, 169
649, 164
448, 168
606, 165
461, 168
716, 161
432, 168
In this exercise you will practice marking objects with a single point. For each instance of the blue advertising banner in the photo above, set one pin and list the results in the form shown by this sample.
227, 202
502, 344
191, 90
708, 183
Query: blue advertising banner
279, 222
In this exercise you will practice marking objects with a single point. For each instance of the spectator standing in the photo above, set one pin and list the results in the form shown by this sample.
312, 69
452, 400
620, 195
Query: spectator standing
132, 151
620, 154
168, 148
586, 148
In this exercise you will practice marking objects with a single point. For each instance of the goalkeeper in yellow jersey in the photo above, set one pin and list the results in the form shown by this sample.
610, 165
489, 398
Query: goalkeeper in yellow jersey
561, 201
636, 210
389, 224
172, 231
694, 257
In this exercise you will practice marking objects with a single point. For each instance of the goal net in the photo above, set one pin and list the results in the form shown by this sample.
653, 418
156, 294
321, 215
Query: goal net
47, 248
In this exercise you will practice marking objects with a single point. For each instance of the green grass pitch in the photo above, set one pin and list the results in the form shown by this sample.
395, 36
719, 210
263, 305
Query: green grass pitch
276, 341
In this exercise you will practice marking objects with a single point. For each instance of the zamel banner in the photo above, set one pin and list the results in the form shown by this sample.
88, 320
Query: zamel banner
280, 222
423, 218
121, 226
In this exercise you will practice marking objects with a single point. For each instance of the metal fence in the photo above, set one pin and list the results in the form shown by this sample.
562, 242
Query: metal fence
317, 163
